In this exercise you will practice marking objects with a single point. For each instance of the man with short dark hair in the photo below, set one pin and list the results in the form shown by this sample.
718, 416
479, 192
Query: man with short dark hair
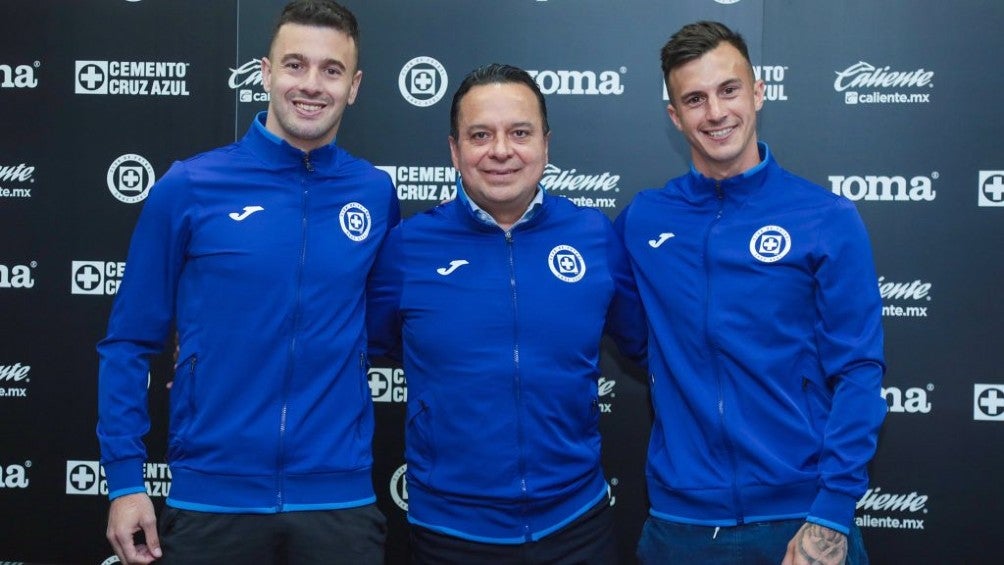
765, 335
502, 296
258, 253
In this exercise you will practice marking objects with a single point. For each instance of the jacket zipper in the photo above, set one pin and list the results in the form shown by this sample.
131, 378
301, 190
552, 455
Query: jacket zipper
729, 447
191, 384
517, 385
280, 475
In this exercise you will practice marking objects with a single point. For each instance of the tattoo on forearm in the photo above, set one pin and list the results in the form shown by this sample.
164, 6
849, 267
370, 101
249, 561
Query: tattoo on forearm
819, 545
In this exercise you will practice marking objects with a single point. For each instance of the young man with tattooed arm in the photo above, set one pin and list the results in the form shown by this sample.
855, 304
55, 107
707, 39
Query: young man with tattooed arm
765, 336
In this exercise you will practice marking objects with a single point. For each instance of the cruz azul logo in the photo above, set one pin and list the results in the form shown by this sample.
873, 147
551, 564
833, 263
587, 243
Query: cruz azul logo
399, 487
890, 508
18, 76
423, 81
912, 400
885, 188
13, 179
388, 385
130, 177
17, 375
88, 478
988, 402
589, 83
433, 184
246, 76
770, 244
913, 293
566, 263
860, 81
101, 278
131, 78
14, 475
991, 188
355, 221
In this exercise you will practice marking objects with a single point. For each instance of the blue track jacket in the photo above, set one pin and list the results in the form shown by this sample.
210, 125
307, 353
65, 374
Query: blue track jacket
259, 253
765, 347
501, 344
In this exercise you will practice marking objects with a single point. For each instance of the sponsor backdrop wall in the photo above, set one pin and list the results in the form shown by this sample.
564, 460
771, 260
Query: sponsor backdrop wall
887, 103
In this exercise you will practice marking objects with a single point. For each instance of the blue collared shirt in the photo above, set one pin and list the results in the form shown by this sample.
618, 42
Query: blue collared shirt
487, 218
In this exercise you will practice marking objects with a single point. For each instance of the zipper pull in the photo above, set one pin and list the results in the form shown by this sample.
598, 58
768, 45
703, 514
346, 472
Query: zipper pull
307, 163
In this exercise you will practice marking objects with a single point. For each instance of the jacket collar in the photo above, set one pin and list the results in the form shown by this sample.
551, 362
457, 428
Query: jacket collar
275, 151
698, 187
474, 213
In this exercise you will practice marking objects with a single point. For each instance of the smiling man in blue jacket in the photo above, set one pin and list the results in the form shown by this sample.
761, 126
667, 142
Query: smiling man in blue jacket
502, 296
766, 339
258, 252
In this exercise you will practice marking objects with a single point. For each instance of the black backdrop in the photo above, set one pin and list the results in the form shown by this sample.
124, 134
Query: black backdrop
888, 103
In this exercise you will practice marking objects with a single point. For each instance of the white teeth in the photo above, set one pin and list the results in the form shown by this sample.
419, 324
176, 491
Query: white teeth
308, 107
718, 134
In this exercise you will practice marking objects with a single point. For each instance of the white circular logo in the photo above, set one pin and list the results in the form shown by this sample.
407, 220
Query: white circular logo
399, 487
130, 178
355, 221
422, 81
566, 263
770, 243
727, 1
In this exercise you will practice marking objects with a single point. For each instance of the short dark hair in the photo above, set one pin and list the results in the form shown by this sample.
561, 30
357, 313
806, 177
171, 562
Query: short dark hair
692, 41
322, 13
496, 73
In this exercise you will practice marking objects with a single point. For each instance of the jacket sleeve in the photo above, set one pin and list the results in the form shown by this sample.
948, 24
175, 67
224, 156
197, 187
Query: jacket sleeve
393, 206
850, 341
626, 322
383, 298
137, 329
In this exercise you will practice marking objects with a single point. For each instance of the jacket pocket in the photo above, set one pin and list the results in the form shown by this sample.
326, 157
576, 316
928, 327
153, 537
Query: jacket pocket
419, 440
183, 407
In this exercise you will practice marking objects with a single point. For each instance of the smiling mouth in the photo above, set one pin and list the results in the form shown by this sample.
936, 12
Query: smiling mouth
502, 173
720, 133
308, 107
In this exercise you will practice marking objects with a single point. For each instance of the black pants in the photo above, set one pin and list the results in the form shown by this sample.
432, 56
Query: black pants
588, 540
353, 536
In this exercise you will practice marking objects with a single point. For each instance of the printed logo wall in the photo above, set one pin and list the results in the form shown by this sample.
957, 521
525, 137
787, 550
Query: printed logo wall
437, 184
93, 118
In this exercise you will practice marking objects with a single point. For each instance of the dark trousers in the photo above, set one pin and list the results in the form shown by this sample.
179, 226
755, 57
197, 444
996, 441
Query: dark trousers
588, 540
663, 543
352, 536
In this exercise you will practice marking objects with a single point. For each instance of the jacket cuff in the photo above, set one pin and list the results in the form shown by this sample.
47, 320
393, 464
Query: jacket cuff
124, 477
833, 510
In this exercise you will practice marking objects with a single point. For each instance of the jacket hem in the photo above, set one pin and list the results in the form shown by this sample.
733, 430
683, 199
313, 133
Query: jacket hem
192, 490
479, 523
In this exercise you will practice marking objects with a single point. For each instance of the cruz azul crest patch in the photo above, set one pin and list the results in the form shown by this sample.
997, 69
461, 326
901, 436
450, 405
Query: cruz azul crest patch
355, 221
566, 263
770, 244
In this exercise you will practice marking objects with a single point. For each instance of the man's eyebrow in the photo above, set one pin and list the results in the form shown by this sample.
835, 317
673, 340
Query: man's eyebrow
525, 125
326, 62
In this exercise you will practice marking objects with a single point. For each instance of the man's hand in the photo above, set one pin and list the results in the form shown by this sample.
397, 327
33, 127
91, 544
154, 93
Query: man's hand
814, 544
127, 515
